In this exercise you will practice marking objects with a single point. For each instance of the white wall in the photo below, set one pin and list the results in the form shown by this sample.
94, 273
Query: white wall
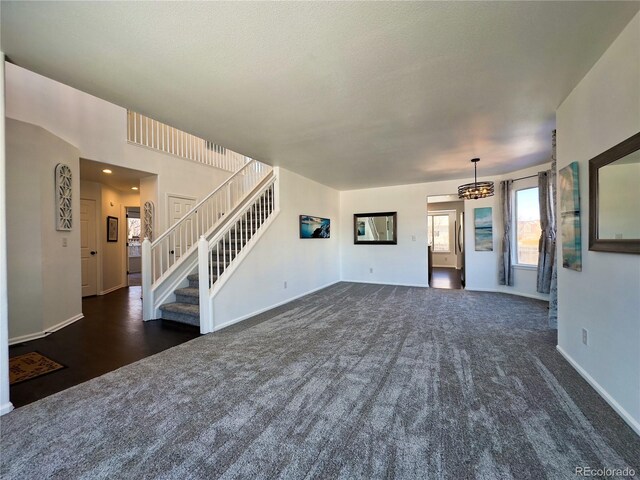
406, 262
99, 130
602, 111
282, 256
482, 267
95, 130
44, 288
112, 266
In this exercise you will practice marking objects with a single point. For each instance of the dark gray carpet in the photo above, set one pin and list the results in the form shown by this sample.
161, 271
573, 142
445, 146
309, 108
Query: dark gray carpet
355, 381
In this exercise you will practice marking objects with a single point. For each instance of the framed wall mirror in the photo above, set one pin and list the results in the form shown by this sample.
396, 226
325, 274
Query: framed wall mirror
375, 228
614, 183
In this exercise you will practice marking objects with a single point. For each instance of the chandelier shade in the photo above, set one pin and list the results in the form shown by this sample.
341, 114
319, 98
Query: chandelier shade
475, 190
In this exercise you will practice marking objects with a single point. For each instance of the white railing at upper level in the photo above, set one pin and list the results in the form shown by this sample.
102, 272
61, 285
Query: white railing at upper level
217, 255
177, 242
147, 132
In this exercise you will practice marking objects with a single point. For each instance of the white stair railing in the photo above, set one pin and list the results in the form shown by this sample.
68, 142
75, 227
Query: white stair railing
151, 133
216, 256
178, 241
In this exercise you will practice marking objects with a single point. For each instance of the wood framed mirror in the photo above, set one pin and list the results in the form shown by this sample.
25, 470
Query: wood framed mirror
614, 184
375, 228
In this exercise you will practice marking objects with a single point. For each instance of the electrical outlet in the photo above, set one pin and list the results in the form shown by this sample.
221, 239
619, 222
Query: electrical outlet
285, 284
370, 270
585, 336
413, 238
64, 241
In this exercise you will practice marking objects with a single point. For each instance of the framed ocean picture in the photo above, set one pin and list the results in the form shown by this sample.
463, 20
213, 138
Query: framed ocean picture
570, 217
483, 228
314, 227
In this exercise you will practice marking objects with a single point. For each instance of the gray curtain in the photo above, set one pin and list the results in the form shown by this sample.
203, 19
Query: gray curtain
547, 242
553, 294
505, 269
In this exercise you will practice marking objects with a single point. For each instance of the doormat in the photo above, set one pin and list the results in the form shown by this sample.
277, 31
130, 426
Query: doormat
30, 365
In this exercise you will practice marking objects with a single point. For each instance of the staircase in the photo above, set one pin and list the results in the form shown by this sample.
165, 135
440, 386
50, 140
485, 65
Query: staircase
223, 251
173, 256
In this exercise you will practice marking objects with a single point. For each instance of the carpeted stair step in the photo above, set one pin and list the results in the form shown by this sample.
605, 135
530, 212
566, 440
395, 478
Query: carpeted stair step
188, 295
181, 312
232, 246
228, 251
263, 210
195, 278
241, 238
265, 205
250, 226
255, 219
240, 235
186, 308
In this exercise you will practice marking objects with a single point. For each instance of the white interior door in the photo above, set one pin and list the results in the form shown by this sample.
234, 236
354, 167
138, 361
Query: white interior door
88, 252
178, 206
185, 236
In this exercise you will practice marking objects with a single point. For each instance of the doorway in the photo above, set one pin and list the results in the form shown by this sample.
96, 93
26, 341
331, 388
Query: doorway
445, 233
134, 264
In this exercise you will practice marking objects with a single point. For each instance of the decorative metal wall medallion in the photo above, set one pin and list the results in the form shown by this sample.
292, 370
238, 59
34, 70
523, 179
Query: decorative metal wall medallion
64, 214
148, 221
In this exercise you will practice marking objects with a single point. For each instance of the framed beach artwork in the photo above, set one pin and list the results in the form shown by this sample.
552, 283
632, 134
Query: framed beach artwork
483, 228
314, 227
570, 217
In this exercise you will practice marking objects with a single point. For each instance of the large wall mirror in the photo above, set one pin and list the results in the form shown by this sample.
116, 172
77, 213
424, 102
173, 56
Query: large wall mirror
614, 185
375, 228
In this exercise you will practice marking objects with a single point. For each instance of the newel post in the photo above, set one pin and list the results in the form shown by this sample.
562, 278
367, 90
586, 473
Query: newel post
206, 318
147, 292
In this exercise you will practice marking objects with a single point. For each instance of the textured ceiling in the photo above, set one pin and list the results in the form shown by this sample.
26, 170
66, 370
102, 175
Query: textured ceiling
352, 95
120, 178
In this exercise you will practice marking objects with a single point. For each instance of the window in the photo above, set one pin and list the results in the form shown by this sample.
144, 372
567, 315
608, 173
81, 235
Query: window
133, 236
527, 226
438, 232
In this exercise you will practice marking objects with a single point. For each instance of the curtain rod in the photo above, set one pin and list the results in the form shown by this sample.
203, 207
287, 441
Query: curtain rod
523, 178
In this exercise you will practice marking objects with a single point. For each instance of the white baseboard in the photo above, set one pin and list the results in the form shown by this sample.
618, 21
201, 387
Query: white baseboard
6, 408
393, 284
54, 328
626, 416
27, 338
519, 294
262, 310
112, 289
63, 324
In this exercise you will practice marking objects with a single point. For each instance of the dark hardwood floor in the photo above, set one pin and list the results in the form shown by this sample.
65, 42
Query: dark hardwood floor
111, 335
446, 278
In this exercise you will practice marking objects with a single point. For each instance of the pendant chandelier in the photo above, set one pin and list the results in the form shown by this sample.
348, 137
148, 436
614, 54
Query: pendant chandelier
476, 189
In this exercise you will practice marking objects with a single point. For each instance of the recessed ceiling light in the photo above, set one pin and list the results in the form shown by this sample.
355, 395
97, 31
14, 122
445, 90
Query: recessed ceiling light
134, 188
106, 170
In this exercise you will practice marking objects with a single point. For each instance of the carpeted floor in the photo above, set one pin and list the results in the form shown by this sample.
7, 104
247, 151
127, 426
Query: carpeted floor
355, 381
